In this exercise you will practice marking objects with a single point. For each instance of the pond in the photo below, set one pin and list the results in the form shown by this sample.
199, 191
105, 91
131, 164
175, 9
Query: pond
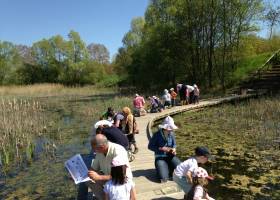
69, 126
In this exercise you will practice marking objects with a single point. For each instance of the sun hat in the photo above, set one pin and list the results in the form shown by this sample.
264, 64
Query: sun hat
202, 173
194, 85
203, 151
136, 95
171, 89
168, 124
118, 161
103, 123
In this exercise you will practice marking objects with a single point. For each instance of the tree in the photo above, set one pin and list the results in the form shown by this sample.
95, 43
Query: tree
98, 53
273, 18
9, 62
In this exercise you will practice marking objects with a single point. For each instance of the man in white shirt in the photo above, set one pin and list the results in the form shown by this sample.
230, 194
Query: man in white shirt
101, 166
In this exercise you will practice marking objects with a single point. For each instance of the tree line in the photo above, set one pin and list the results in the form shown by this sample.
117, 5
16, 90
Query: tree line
176, 41
192, 41
56, 60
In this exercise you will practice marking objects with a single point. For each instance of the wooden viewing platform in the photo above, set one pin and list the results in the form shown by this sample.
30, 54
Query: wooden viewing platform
145, 178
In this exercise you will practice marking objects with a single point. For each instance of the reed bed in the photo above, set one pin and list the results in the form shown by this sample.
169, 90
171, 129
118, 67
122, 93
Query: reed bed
48, 90
20, 122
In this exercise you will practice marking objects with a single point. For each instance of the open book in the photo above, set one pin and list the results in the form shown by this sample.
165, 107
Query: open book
78, 169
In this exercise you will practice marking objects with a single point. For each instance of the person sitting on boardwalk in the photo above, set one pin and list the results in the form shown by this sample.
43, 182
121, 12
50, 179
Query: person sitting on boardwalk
129, 128
101, 165
185, 171
139, 104
119, 187
200, 180
164, 145
113, 134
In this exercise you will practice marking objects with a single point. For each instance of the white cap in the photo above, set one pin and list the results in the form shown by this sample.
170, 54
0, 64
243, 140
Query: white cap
103, 123
168, 124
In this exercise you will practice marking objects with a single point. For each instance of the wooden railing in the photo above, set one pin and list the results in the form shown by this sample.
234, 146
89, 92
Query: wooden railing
268, 64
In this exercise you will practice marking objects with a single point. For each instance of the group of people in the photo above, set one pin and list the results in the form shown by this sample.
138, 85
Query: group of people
111, 174
188, 95
189, 177
124, 121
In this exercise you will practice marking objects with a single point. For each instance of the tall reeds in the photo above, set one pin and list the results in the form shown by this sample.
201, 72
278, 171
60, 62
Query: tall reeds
20, 122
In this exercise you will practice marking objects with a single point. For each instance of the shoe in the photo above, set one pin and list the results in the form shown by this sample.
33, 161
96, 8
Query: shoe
135, 151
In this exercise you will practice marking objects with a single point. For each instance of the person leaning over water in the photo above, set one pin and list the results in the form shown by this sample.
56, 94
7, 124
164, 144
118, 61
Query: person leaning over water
164, 145
101, 166
113, 134
185, 171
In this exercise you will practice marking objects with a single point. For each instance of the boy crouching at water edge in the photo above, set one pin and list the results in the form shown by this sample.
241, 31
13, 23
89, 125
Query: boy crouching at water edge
184, 172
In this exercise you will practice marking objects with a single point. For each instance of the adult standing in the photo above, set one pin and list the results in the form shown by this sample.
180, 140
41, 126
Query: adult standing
183, 94
191, 93
129, 128
101, 166
163, 144
139, 104
166, 98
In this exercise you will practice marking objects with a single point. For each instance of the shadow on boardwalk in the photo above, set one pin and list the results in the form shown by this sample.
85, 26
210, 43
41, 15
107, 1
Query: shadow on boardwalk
150, 174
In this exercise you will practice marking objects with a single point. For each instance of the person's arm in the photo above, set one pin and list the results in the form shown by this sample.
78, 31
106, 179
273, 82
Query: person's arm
153, 146
130, 123
133, 193
189, 176
97, 177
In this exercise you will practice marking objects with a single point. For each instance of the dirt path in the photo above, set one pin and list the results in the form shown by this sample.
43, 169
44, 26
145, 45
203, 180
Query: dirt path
147, 185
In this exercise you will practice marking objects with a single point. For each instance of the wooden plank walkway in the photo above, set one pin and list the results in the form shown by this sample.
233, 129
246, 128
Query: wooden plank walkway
147, 185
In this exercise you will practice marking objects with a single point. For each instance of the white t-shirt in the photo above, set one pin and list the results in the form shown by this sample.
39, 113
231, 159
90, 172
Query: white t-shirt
198, 194
188, 165
190, 88
119, 192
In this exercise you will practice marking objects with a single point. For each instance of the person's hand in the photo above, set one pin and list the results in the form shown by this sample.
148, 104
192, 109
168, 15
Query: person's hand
173, 151
165, 149
93, 175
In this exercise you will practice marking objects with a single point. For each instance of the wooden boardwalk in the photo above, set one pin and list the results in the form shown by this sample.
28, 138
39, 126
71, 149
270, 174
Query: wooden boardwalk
147, 184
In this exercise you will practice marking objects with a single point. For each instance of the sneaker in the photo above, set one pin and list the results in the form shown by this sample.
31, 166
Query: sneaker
135, 151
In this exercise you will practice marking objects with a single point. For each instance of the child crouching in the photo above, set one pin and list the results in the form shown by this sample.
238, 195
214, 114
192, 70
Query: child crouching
200, 180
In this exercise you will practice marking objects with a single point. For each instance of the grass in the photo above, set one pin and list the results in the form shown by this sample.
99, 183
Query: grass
248, 65
242, 137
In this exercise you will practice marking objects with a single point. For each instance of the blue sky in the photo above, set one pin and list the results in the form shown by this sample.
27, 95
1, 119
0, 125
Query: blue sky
98, 21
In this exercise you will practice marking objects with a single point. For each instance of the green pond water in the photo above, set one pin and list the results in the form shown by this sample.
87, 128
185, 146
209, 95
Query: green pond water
69, 127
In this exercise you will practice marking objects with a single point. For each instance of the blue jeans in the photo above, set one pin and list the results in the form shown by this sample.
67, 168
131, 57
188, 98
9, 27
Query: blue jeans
183, 183
165, 166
